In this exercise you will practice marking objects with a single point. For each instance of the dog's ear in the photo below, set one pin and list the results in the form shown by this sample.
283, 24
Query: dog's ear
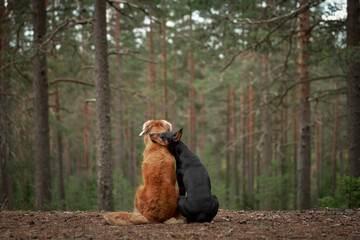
167, 125
146, 127
178, 135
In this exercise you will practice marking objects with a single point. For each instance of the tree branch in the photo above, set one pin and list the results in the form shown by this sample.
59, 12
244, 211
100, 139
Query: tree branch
62, 25
305, 81
132, 5
71, 80
57, 80
275, 19
252, 46
131, 54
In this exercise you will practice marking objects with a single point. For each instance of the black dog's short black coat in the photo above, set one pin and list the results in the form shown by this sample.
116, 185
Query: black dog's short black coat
199, 205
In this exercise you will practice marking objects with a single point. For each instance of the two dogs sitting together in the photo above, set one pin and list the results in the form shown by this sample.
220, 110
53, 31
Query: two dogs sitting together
159, 200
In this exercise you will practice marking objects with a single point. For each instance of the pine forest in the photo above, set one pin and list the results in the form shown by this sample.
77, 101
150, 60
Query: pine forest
267, 92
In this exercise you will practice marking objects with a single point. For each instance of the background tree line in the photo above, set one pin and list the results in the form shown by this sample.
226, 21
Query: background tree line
267, 92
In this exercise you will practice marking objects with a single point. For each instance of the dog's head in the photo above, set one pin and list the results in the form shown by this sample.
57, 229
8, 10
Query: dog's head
166, 138
156, 126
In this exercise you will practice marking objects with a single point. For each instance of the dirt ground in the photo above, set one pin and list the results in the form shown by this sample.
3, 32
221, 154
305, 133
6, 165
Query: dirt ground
312, 224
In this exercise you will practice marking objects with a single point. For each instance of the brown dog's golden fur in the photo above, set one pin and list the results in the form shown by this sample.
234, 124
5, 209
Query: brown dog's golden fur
156, 200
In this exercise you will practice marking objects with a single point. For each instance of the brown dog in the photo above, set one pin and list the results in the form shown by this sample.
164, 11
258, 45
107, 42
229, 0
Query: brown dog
156, 200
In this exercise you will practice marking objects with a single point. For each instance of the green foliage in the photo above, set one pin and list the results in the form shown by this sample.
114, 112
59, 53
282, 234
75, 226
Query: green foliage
124, 194
81, 197
329, 202
351, 189
348, 196
216, 39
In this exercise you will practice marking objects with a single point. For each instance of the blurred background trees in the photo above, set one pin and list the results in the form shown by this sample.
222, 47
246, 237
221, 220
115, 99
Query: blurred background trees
262, 89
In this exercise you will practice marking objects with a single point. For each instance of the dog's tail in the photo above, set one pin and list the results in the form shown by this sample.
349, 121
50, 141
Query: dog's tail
125, 218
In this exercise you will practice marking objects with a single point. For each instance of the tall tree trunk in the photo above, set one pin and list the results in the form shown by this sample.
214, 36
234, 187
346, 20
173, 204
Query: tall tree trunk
68, 159
267, 135
317, 151
59, 150
334, 143
295, 144
133, 156
244, 150
227, 176
105, 183
202, 127
151, 108
305, 143
341, 158
118, 101
86, 122
5, 121
174, 75
353, 87
86, 138
163, 24
41, 106
59, 138
283, 163
192, 116
251, 144
128, 153
217, 144
234, 150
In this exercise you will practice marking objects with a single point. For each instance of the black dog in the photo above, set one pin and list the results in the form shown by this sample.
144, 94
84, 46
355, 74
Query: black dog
199, 205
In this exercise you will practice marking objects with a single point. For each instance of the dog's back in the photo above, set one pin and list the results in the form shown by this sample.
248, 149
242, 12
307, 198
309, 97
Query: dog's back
199, 205
156, 200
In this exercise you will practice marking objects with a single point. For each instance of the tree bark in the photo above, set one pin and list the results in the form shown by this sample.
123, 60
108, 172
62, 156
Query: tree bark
305, 143
334, 143
5, 121
295, 144
68, 159
267, 135
317, 151
353, 87
59, 150
105, 183
151, 108
283, 163
163, 24
227, 176
251, 144
174, 75
118, 101
217, 144
202, 127
134, 182
244, 150
41, 106
86, 138
234, 150
192, 116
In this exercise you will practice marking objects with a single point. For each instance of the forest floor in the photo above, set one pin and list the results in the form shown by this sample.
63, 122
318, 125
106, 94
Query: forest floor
311, 224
